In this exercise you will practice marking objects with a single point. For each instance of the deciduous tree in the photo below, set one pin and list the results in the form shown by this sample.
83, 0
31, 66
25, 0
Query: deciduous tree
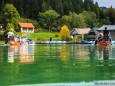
77, 20
48, 18
9, 14
90, 18
66, 20
65, 33
110, 13
9, 27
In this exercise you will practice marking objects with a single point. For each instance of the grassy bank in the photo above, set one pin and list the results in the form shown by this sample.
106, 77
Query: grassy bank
41, 36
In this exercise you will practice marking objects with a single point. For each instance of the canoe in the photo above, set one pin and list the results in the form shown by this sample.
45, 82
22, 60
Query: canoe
104, 42
16, 43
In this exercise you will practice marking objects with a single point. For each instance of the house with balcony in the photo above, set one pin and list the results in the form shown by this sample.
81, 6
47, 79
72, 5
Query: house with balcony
26, 27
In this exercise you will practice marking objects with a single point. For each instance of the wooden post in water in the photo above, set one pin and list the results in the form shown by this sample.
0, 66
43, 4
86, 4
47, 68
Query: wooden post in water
82, 37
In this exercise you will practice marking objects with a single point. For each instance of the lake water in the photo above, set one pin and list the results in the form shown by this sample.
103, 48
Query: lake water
57, 65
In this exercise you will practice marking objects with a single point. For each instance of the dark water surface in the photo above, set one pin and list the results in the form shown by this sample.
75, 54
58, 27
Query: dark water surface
63, 63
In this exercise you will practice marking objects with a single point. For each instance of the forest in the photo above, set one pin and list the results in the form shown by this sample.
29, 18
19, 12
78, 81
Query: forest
52, 14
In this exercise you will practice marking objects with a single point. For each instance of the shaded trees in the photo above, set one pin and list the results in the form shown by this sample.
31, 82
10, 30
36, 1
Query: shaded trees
48, 19
110, 13
66, 19
29, 9
90, 18
9, 27
77, 20
10, 15
88, 5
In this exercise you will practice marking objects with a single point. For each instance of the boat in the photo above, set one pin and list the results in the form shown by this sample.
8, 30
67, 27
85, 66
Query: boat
12, 42
16, 43
104, 39
104, 42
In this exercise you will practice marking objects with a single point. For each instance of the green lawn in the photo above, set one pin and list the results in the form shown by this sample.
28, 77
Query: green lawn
41, 36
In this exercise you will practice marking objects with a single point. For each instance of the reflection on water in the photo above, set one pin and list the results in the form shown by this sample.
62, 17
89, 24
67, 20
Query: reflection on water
25, 53
104, 54
104, 51
53, 63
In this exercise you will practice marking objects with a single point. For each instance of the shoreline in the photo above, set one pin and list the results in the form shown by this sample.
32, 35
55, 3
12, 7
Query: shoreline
56, 42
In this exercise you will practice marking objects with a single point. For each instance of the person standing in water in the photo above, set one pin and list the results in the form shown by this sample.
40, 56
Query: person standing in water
106, 34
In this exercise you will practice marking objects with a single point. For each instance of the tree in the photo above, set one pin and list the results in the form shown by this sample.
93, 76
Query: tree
1, 5
66, 20
77, 6
59, 6
104, 21
89, 5
19, 5
9, 14
97, 10
110, 13
34, 9
77, 20
90, 18
9, 27
64, 33
45, 6
48, 18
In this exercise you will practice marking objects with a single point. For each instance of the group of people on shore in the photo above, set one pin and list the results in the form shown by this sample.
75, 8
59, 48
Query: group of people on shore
103, 36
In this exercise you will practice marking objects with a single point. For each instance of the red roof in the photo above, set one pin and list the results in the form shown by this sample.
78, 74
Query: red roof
26, 25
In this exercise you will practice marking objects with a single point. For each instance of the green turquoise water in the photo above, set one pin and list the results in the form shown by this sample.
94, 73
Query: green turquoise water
55, 63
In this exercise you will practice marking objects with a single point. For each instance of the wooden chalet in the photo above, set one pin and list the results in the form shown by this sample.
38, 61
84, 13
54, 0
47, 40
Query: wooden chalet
26, 27
79, 31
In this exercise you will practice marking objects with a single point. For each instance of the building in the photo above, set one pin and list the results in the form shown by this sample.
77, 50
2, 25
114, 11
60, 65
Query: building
110, 28
92, 35
26, 27
79, 31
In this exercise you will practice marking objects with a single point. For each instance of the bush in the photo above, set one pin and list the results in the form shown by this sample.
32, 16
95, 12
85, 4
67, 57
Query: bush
79, 38
56, 35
